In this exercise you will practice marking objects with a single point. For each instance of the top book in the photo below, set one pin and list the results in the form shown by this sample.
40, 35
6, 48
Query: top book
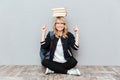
59, 8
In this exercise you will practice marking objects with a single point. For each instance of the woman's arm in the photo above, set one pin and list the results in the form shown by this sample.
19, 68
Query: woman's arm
43, 33
76, 30
74, 40
45, 39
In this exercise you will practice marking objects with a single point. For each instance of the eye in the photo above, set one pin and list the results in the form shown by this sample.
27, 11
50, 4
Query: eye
63, 23
60, 23
56, 23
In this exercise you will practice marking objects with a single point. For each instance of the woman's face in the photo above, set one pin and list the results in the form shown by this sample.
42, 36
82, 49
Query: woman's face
60, 25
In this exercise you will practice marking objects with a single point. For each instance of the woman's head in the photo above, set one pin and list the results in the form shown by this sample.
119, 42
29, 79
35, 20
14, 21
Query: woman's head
60, 24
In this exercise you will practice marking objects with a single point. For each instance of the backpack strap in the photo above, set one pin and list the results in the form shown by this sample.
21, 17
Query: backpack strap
51, 35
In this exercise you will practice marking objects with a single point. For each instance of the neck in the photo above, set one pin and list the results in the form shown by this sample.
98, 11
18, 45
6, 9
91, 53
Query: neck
60, 32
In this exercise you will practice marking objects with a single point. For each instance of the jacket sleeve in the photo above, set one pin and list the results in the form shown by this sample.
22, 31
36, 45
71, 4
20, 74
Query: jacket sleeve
72, 41
46, 44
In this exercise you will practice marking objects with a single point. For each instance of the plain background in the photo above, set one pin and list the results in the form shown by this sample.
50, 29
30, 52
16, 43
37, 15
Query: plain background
98, 22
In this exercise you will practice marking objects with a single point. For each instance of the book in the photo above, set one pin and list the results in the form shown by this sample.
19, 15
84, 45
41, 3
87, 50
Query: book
59, 12
59, 15
59, 8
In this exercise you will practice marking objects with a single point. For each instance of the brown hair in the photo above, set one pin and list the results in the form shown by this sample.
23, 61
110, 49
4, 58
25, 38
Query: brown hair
65, 30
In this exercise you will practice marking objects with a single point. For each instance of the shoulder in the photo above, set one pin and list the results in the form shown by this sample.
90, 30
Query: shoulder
50, 33
69, 34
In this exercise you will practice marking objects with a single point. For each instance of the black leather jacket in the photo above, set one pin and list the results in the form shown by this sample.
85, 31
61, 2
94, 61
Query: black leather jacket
67, 44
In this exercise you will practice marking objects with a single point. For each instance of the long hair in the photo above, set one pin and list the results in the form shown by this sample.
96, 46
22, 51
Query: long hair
65, 30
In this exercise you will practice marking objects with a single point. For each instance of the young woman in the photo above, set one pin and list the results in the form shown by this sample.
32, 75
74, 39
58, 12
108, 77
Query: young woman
61, 57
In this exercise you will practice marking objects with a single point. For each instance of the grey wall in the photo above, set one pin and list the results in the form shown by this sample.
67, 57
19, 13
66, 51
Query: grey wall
98, 21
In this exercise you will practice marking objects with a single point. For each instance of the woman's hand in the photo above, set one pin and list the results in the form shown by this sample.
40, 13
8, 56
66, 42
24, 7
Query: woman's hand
44, 28
76, 30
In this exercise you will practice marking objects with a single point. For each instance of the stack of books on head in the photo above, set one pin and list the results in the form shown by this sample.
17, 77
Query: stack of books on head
59, 12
